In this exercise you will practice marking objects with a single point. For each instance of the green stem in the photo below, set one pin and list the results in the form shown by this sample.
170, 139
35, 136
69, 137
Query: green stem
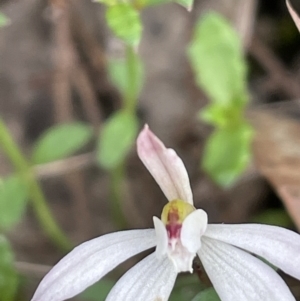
117, 176
37, 197
130, 99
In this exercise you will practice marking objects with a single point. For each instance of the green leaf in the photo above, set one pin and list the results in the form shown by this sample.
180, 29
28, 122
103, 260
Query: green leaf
8, 276
118, 73
61, 141
99, 291
125, 23
227, 153
116, 139
188, 4
13, 197
4, 21
221, 116
207, 295
216, 56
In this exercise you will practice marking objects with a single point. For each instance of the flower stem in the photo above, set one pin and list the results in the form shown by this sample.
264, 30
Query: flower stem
38, 200
117, 176
130, 97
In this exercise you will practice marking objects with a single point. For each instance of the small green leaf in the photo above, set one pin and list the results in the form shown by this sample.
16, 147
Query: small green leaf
61, 141
116, 139
227, 153
118, 74
188, 4
217, 59
221, 116
99, 291
207, 295
125, 23
8, 276
4, 21
13, 197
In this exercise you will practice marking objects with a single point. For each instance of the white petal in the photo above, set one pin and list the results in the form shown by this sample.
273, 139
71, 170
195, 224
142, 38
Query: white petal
193, 227
161, 236
165, 166
239, 276
279, 246
151, 279
90, 261
293, 14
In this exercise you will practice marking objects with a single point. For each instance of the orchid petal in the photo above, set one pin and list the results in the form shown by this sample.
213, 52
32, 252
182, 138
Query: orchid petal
90, 261
165, 166
152, 279
279, 246
192, 229
294, 14
161, 237
237, 275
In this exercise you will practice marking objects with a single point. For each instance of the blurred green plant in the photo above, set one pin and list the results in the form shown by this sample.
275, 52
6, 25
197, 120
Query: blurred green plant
13, 200
8, 275
61, 141
274, 217
208, 294
216, 56
120, 130
12, 197
98, 291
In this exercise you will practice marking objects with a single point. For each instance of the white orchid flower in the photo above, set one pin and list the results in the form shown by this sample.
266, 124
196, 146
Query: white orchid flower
181, 234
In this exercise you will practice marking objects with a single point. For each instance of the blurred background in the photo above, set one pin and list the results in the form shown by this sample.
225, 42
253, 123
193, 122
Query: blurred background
54, 60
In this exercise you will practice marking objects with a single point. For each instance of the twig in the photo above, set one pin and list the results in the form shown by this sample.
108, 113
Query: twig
64, 166
87, 95
63, 60
96, 58
32, 269
244, 19
63, 103
269, 61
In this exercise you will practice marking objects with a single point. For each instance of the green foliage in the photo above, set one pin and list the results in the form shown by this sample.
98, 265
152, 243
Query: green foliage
119, 75
220, 69
98, 291
13, 197
125, 22
227, 153
8, 276
3, 20
116, 138
275, 217
186, 288
217, 59
61, 141
207, 295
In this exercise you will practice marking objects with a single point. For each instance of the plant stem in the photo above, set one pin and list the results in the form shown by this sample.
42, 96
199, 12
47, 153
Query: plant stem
117, 176
130, 98
39, 203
